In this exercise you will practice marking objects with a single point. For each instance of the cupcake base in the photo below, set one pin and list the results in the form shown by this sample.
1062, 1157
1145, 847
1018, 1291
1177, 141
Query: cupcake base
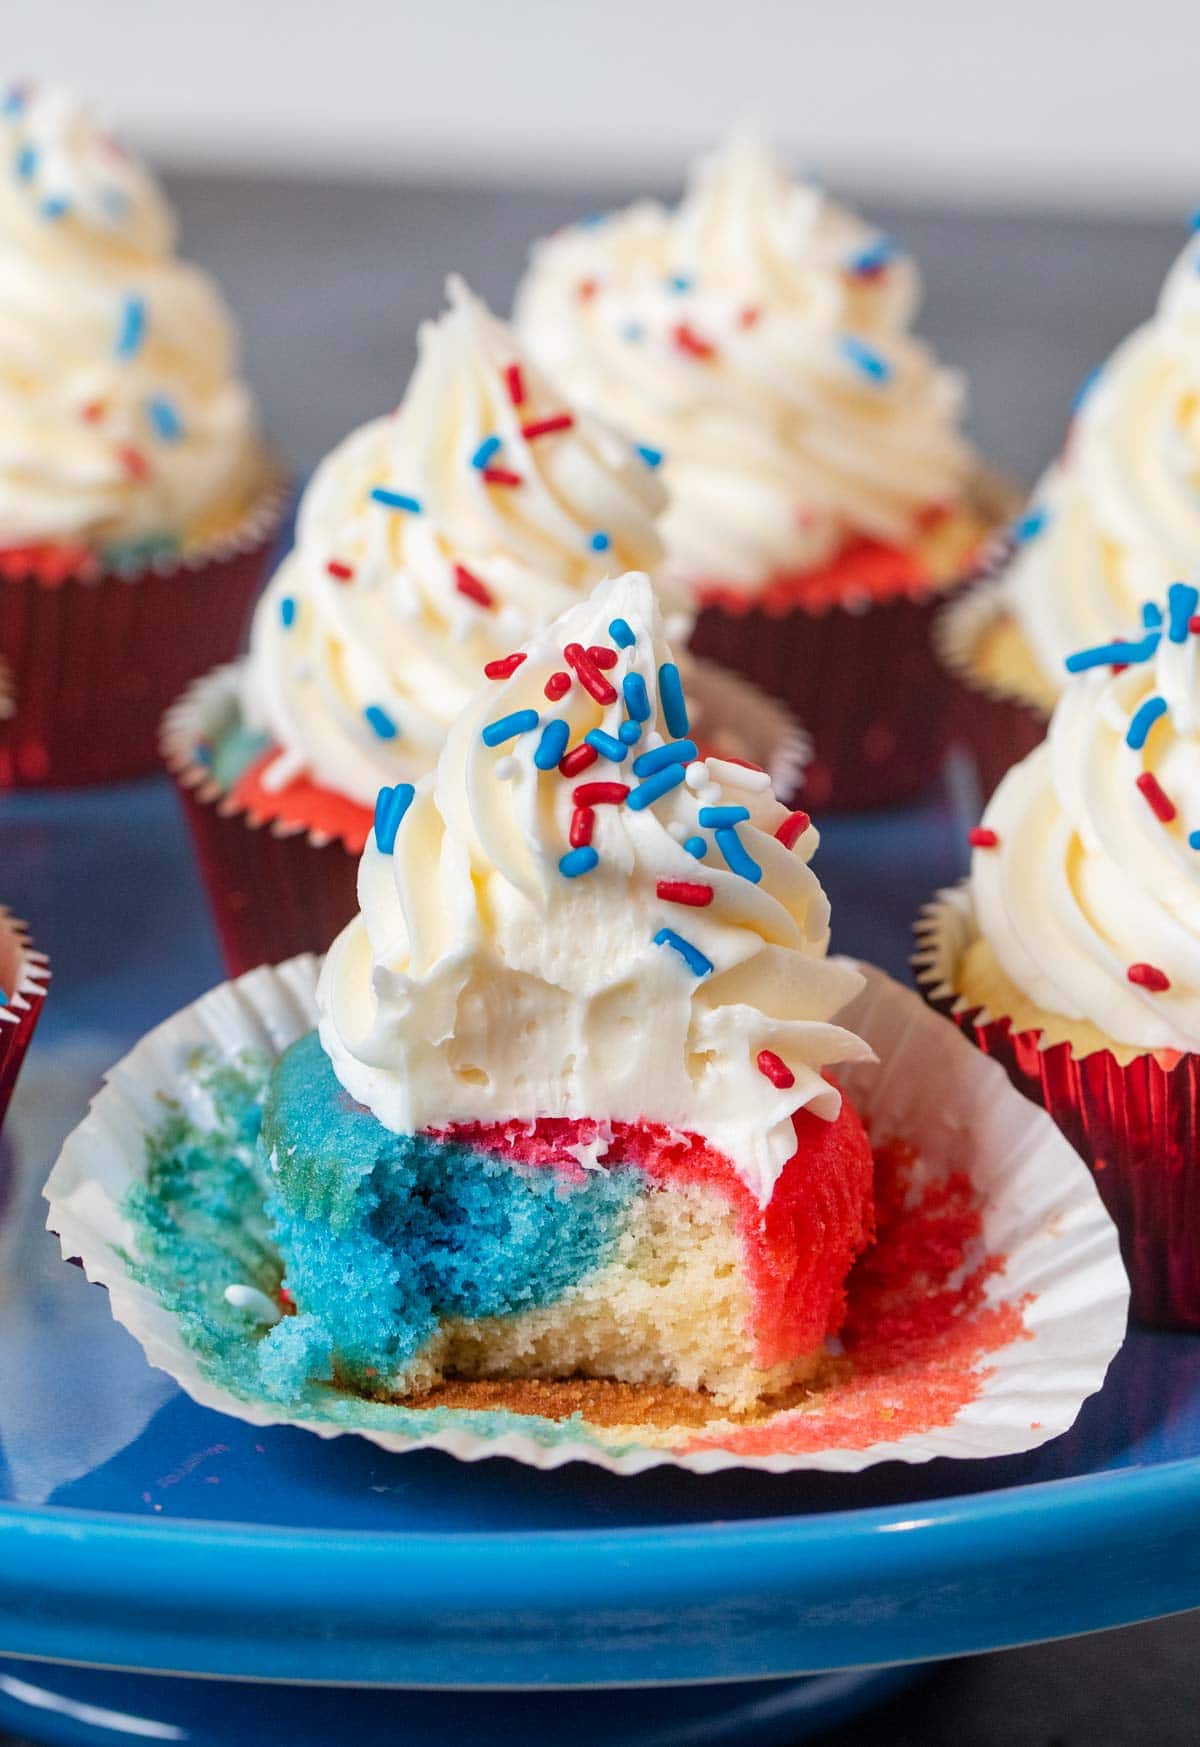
94, 659
1135, 1124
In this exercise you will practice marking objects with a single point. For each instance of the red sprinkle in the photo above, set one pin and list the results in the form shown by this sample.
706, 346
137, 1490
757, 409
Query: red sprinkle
588, 674
343, 572
546, 427
1194, 624
504, 666
501, 476
133, 461
1148, 976
583, 821
685, 892
576, 761
515, 383
794, 826
1161, 805
557, 686
689, 341
587, 290
603, 658
600, 794
92, 412
775, 1069
471, 586
749, 316
982, 837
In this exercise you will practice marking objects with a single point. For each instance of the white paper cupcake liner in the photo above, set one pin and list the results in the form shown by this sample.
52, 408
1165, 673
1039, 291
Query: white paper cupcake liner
1040, 1212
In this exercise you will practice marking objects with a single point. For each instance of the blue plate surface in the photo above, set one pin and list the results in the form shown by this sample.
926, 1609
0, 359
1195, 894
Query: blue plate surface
140, 1531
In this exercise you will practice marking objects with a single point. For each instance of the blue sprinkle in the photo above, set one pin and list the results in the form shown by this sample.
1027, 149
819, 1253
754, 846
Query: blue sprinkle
865, 359
484, 453
56, 206
874, 256
1194, 221
633, 332
592, 221
659, 757
1086, 386
1142, 720
552, 744
636, 700
25, 164
163, 417
390, 807
1194, 839
132, 330
3, 999
652, 457
599, 541
1114, 654
697, 846
395, 500
1182, 600
655, 787
736, 858
1152, 616
14, 101
607, 745
381, 722
1030, 525
508, 727
714, 818
621, 634
287, 612
670, 690
630, 733
679, 282
578, 861
691, 955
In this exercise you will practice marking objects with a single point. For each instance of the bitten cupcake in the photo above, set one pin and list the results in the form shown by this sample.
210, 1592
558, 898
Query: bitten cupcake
429, 545
1116, 513
137, 500
1073, 951
568, 1114
822, 495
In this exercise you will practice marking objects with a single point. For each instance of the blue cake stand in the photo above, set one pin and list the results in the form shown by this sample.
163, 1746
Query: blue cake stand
155, 1557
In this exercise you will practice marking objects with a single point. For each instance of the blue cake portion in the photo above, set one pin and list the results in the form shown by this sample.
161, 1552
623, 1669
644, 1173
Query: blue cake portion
384, 1235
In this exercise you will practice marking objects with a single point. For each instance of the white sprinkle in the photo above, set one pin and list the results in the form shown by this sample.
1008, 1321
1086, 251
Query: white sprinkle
249, 1298
506, 768
678, 831
650, 739
696, 774
709, 795
736, 776
282, 771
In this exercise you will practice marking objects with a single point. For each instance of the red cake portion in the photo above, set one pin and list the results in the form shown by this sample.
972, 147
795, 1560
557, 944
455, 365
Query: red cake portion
303, 804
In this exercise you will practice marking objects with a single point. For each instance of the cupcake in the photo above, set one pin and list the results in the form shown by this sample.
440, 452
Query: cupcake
23, 974
429, 545
1072, 953
567, 1113
822, 495
136, 498
1116, 513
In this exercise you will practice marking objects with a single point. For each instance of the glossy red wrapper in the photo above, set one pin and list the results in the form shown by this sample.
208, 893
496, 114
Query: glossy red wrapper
996, 729
1136, 1126
23, 976
94, 659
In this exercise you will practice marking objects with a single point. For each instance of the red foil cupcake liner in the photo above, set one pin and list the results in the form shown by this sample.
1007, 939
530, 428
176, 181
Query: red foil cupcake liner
93, 658
995, 728
277, 890
23, 976
1137, 1126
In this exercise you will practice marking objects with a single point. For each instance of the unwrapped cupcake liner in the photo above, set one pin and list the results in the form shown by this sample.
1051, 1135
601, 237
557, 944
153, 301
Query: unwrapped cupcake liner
995, 727
96, 656
1051, 1288
277, 889
1137, 1125
23, 976
861, 674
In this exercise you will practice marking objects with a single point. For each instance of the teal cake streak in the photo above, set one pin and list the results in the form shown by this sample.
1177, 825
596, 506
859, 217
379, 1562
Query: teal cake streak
234, 751
376, 1235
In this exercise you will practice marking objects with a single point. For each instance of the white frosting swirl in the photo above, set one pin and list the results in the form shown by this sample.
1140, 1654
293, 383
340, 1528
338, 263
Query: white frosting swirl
1120, 509
480, 983
758, 335
121, 416
1086, 880
394, 631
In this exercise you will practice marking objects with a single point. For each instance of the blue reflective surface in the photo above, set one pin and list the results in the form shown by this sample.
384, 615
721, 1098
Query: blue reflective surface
394, 1567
